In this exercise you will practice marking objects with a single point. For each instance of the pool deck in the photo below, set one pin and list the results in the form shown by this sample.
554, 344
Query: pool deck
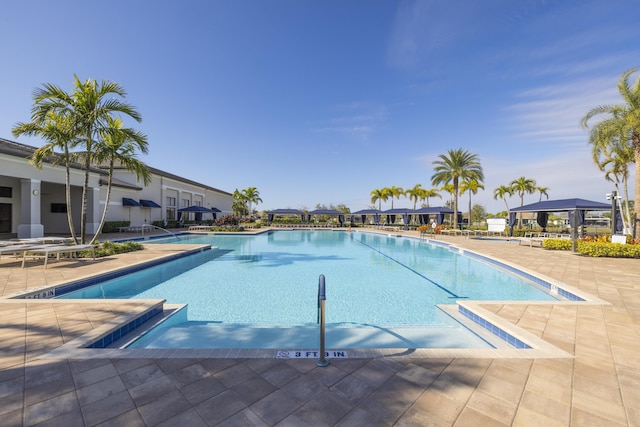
597, 382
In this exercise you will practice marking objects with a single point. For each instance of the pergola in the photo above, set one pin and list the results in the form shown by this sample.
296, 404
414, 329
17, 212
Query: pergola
294, 212
327, 212
575, 207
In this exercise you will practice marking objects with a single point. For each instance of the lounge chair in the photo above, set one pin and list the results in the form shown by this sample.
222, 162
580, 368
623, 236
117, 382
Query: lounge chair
57, 250
17, 249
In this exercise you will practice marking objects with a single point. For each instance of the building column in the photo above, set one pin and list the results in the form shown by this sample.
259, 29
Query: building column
30, 220
94, 213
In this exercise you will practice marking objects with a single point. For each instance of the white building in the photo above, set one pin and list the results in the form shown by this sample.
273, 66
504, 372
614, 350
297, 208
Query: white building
33, 202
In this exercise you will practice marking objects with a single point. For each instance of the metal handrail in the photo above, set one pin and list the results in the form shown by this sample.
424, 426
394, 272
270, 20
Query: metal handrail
322, 362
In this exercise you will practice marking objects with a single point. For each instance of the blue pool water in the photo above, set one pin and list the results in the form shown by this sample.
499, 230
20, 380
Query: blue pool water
268, 283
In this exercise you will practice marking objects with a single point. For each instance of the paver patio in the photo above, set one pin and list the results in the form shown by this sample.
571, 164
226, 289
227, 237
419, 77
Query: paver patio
599, 386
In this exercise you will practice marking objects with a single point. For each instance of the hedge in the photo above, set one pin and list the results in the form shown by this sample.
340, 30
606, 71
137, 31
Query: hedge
595, 249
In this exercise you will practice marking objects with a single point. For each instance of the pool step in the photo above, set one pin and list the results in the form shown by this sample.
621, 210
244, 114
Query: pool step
212, 335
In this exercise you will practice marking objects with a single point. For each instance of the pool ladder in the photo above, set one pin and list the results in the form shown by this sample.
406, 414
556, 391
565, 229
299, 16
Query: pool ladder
322, 362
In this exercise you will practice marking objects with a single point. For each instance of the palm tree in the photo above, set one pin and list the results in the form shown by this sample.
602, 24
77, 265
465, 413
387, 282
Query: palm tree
58, 131
543, 191
431, 193
395, 192
252, 195
455, 166
613, 157
416, 193
239, 203
622, 119
87, 109
521, 186
449, 189
503, 192
379, 195
470, 185
118, 146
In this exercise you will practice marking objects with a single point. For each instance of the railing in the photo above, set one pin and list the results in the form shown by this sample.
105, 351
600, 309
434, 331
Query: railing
322, 362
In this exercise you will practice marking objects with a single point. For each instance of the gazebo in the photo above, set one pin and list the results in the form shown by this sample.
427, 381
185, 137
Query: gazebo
575, 207
364, 212
295, 212
327, 212
391, 215
438, 211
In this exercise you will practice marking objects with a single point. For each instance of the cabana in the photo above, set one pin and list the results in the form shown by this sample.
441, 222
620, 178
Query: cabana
199, 210
438, 211
275, 212
327, 212
391, 215
363, 214
575, 207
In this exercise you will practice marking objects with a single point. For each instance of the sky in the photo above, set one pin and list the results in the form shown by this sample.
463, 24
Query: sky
321, 102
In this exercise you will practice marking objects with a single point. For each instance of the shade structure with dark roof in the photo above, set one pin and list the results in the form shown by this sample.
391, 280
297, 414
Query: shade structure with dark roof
438, 211
130, 202
195, 208
275, 212
149, 204
563, 205
363, 215
575, 207
327, 212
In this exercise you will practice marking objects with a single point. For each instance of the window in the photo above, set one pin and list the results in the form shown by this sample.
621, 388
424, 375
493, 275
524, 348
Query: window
58, 208
171, 201
5, 192
186, 203
171, 214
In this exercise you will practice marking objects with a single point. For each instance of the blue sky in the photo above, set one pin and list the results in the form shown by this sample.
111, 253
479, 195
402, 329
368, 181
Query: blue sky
323, 101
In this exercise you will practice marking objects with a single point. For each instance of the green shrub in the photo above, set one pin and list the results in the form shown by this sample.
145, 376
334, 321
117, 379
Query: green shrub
615, 250
595, 248
227, 229
111, 248
112, 226
557, 244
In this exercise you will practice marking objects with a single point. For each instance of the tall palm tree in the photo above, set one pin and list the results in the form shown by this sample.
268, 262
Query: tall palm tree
544, 191
395, 192
521, 186
87, 108
118, 146
58, 131
453, 167
503, 192
431, 193
252, 195
470, 185
416, 193
622, 119
379, 195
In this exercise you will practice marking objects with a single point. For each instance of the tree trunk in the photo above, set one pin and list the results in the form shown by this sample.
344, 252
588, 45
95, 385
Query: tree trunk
635, 138
68, 195
106, 204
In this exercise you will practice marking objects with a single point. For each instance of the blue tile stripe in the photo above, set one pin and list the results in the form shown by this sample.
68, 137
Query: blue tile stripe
505, 336
84, 283
108, 339
538, 281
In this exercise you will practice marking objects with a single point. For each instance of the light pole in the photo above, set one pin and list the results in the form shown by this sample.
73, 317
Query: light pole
613, 196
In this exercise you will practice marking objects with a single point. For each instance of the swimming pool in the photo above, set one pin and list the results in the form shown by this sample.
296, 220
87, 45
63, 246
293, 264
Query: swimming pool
266, 284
